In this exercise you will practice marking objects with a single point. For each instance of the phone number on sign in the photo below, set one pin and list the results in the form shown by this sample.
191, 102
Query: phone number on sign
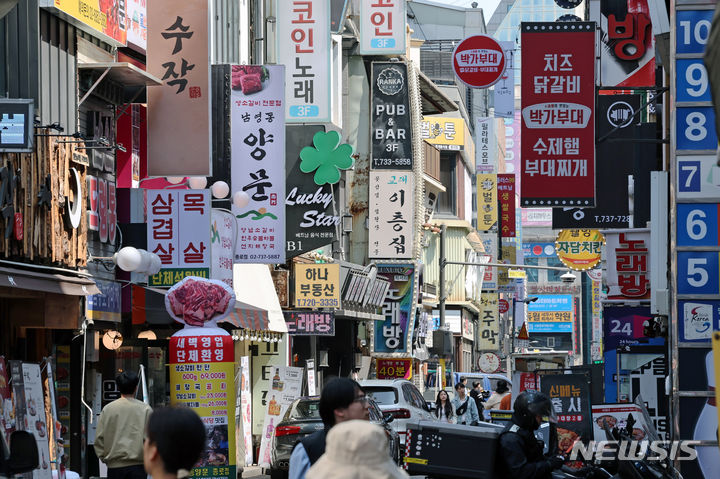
611, 219
318, 303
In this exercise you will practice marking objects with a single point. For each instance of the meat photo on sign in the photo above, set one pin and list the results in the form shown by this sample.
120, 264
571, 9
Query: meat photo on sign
249, 78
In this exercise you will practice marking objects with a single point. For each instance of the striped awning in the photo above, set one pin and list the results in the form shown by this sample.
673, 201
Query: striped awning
248, 318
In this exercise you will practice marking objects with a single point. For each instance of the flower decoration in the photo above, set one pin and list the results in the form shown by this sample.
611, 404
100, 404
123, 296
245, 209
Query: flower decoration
326, 158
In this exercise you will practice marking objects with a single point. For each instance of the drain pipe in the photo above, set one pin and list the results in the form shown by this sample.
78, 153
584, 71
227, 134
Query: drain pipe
259, 37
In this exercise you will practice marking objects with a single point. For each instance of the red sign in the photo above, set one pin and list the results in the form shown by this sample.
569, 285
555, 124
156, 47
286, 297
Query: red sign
479, 61
394, 368
503, 306
201, 349
506, 196
558, 125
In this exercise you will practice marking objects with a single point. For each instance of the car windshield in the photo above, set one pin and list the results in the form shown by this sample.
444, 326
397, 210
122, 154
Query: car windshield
382, 395
305, 409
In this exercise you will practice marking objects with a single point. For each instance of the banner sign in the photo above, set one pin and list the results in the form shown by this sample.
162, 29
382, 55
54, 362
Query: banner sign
490, 243
487, 206
617, 415
395, 334
137, 24
246, 408
538, 250
7, 414
570, 396
178, 231
558, 124
552, 326
551, 313
506, 195
394, 368
301, 323
178, 113
105, 20
317, 285
579, 250
382, 27
258, 161
444, 133
202, 377
105, 306
489, 323
392, 214
286, 386
391, 131
486, 149
628, 259
303, 46
36, 418
504, 94
222, 228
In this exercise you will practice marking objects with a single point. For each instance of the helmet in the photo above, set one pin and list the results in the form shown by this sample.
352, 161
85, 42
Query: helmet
530, 404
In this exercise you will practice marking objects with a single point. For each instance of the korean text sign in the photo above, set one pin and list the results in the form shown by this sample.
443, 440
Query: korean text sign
628, 260
392, 214
570, 397
221, 240
558, 128
179, 109
382, 27
394, 335
444, 133
390, 135
486, 151
506, 195
303, 46
109, 20
258, 161
202, 377
317, 285
394, 368
489, 323
102, 213
300, 323
178, 230
487, 207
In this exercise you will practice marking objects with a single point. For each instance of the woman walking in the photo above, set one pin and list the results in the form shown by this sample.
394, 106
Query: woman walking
443, 408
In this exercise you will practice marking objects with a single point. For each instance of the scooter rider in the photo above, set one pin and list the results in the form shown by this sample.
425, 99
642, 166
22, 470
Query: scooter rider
520, 453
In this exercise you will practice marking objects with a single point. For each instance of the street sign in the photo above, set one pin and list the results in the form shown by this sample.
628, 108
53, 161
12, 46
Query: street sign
697, 224
479, 61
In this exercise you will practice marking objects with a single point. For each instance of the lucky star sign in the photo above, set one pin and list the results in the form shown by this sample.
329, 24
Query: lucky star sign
479, 61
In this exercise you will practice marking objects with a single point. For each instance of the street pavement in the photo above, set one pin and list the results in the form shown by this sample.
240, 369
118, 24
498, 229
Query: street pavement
256, 472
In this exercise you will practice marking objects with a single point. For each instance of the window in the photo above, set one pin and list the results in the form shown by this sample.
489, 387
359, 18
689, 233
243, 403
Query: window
532, 274
554, 275
551, 342
382, 395
447, 199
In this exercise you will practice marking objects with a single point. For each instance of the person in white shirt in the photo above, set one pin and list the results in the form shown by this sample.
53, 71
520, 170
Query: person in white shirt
443, 408
501, 390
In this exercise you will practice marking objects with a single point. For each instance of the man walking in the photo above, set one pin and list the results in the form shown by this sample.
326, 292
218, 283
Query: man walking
465, 409
121, 431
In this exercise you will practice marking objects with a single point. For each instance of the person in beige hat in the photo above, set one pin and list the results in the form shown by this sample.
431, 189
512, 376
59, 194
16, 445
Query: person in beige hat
356, 450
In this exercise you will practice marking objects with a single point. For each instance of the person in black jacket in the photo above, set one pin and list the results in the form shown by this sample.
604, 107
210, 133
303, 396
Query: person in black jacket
520, 453
342, 399
476, 394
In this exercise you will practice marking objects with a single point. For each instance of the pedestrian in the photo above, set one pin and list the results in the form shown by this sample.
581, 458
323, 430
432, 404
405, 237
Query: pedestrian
501, 390
443, 408
175, 439
476, 394
465, 409
341, 400
506, 403
356, 450
121, 429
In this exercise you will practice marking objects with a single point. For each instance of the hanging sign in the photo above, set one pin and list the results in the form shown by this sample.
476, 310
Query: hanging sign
394, 335
579, 249
391, 132
628, 260
382, 27
488, 323
479, 61
487, 207
400, 368
506, 195
392, 214
317, 285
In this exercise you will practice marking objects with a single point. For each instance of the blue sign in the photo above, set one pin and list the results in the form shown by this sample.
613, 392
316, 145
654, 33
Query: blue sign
698, 272
692, 80
394, 335
697, 224
549, 327
698, 320
552, 302
106, 305
538, 250
693, 30
695, 128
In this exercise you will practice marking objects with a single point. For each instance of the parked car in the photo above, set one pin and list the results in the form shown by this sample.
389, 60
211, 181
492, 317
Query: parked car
303, 418
400, 398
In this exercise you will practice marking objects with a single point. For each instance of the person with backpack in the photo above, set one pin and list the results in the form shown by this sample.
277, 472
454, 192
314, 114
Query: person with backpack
465, 409
476, 394
520, 454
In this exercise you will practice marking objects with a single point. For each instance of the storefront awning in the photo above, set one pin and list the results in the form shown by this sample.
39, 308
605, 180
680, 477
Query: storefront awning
255, 290
49, 283
123, 73
434, 101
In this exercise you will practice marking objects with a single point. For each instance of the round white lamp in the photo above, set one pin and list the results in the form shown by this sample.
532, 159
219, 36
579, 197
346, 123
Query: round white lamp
155, 265
147, 334
220, 189
112, 339
128, 258
174, 180
241, 199
197, 182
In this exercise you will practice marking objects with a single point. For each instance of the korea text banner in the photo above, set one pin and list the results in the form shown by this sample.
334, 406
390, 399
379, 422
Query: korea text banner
392, 214
506, 195
178, 231
628, 264
558, 128
258, 161
444, 133
103, 19
400, 368
285, 387
487, 204
307, 323
394, 335
390, 129
202, 377
489, 323
382, 27
303, 46
178, 113
486, 150
317, 285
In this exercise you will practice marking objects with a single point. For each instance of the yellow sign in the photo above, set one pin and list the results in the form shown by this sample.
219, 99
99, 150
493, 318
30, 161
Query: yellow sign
516, 274
106, 18
489, 323
579, 249
415, 460
509, 252
550, 316
317, 285
487, 202
444, 133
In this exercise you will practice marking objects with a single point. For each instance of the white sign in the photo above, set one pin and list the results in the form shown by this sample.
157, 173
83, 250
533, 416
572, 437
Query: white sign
490, 243
303, 46
285, 387
258, 161
486, 149
137, 23
246, 408
698, 177
382, 27
392, 214
221, 238
505, 87
35, 418
312, 387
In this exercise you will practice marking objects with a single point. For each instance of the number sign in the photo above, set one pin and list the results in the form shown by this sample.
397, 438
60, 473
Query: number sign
696, 128
692, 80
693, 30
698, 178
698, 272
697, 224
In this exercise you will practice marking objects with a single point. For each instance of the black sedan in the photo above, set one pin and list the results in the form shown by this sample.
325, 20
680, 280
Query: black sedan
303, 418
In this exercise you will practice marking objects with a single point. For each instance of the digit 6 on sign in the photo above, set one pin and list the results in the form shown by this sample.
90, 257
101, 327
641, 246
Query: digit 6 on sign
697, 224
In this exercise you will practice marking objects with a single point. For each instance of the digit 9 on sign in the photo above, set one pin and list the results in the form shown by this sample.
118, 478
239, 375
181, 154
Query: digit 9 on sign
698, 272
697, 224
692, 81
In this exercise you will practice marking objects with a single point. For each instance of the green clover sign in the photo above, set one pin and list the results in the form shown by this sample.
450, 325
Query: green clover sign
328, 157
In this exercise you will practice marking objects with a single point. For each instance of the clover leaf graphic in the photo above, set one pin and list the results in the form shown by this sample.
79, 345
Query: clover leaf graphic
328, 157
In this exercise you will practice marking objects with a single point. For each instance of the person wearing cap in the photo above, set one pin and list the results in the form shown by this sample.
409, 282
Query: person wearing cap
501, 390
356, 450
341, 400
465, 409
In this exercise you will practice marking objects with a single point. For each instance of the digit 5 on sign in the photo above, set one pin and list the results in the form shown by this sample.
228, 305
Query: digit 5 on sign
698, 272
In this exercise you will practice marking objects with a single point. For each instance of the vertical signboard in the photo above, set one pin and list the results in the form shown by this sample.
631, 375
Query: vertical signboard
222, 229
137, 24
258, 161
390, 134
486, 145
178, 230
504, 94
382, 27
489, 323
285, 387
558, 125
178, 113
628, 265
392, 210
246, 408
394, 335
303, 46
570, 397
506, 195
487, 202
490, 243
36, 421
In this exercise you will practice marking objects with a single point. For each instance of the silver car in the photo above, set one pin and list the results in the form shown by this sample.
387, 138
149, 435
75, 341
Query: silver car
400, 398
